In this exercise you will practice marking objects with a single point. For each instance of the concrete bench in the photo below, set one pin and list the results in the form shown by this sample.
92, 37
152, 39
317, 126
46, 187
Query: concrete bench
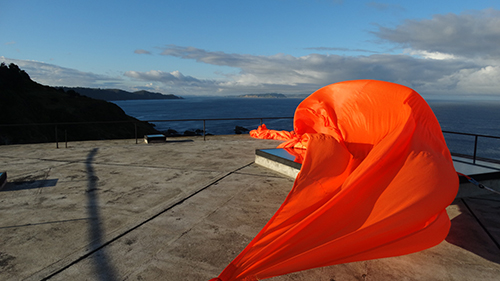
155, 138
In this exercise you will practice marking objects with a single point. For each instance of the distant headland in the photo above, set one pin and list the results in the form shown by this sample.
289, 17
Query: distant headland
24, 102
267, 96
116, 94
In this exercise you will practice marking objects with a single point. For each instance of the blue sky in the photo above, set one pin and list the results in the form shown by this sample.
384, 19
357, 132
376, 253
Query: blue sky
238, 46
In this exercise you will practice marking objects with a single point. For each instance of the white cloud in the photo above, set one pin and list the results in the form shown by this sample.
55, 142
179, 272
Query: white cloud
485, 80
454, 54
430, 55
340, 49
53, 75
308, 73
475, 34
174, 77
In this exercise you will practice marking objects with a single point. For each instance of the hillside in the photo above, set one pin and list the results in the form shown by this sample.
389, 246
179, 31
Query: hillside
23, 101
116, 94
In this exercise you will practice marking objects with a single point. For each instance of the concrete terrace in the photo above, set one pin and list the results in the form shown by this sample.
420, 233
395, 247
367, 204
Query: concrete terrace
182, 210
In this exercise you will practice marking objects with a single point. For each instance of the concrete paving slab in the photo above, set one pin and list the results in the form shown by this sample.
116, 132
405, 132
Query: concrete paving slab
199, 249
486, 210
196, 234
183, 211
99, 191
108, 202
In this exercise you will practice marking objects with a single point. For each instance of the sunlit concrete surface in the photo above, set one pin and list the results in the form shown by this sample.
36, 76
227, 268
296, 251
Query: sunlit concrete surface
182, 210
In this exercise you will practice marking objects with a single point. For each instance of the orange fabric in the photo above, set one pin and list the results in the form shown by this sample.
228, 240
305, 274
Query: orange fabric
375, 181
263, 133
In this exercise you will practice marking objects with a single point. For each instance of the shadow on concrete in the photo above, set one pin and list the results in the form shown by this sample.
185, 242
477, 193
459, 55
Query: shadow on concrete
22, 185
101, 262
469, 233
179, 141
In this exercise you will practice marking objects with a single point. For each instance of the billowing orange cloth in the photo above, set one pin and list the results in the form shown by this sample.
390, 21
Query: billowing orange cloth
263, 133
375, 181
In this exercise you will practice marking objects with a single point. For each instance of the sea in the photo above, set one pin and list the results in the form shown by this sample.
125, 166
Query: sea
467, 115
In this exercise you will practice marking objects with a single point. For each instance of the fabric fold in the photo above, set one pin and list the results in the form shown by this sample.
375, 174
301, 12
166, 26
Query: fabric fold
376, 178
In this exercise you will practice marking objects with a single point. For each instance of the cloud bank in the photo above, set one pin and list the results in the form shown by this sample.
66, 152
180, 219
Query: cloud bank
53, 75
475, 34
446, 54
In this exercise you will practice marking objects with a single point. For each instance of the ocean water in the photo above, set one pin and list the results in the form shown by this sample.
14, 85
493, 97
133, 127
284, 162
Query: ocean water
480, 117
466, 116
213, 108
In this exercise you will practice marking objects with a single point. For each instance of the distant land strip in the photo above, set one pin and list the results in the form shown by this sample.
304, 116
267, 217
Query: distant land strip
116, 94
267, 95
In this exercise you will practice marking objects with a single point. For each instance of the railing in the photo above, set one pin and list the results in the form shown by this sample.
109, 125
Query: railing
476, 141
474, 155
58, 125
217, 119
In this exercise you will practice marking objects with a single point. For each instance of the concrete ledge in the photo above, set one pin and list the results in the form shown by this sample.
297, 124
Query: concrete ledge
279, 160
276, 166
280, 156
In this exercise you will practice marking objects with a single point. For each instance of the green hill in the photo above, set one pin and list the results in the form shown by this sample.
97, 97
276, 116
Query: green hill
23, 101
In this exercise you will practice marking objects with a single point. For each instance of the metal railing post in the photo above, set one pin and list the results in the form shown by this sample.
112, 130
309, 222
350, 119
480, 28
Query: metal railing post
66, 138
204, 129
475, 150
57, 143
135, 130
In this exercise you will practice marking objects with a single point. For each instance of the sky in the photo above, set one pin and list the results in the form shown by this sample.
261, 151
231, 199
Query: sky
234, 47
